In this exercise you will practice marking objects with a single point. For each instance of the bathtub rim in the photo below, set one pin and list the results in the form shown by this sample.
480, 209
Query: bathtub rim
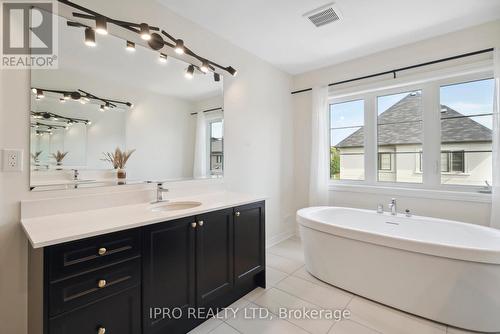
454, 252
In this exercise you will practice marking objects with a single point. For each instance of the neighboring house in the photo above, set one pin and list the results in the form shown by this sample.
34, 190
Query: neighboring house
465, 149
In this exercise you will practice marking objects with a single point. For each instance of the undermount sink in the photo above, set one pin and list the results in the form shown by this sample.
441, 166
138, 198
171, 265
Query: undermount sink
174, 206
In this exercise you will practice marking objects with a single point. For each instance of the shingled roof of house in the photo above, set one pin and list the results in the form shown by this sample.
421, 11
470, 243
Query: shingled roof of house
401, 124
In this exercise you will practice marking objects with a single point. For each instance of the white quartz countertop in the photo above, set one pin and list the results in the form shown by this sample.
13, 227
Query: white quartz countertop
50, 230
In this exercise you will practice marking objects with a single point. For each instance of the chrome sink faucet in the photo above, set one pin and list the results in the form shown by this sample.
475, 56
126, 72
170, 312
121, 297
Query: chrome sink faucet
393, 207
159, 193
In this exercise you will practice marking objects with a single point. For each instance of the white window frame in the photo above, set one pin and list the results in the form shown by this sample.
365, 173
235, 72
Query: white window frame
431, 141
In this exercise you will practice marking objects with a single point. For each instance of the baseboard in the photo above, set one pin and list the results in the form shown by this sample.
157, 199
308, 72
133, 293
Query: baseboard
270, 242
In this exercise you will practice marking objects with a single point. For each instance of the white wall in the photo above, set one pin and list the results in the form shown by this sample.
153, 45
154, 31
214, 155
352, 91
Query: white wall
259, 149
473, 39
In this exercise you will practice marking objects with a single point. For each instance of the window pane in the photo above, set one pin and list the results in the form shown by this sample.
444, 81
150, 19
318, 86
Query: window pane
216, 147
347, 141
466, 132
399, 136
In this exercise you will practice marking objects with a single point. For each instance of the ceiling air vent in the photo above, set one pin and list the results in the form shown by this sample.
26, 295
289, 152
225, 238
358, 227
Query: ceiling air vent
324, 15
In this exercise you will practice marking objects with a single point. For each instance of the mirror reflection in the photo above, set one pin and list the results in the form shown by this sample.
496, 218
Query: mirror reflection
121, 113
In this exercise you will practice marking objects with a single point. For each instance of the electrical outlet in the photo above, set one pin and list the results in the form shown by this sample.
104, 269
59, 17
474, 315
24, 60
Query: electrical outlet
12, 160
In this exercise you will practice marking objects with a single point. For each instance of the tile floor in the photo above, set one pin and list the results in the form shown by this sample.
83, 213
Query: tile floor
290, 286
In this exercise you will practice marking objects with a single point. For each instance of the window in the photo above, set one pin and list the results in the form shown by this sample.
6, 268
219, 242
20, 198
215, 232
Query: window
347, 141
409, 147
216, 147
385, 161
399, 136
466, 132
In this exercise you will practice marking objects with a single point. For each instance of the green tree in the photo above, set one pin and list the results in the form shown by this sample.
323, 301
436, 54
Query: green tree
334, 163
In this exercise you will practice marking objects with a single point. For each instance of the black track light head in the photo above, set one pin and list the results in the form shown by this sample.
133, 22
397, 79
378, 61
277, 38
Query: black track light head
216, 77
39, 94
179, 47
130, 105
90, 37
101, 25
205, 66
231, 71
144, 31
189, 72
156, 42
130, 46
163, 58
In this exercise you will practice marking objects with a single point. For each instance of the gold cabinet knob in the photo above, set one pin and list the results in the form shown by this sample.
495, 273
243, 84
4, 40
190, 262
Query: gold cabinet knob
200, 223
102, 251
102, 283
101, 330
237, 214
193, 225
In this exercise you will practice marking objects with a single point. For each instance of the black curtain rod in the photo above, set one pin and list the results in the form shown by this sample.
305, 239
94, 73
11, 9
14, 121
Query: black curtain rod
396, 70
208, 110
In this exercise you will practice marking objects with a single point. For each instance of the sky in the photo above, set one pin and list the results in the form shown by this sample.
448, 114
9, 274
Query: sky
469, 98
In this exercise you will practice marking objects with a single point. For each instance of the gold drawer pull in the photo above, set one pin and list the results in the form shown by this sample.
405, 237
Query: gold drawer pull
237, 214
101, 330
102, 251
102, 283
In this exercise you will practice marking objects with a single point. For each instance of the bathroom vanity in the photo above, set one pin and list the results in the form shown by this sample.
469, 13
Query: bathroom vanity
144, 278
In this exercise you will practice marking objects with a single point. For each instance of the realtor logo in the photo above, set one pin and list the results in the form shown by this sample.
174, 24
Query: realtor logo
29, 34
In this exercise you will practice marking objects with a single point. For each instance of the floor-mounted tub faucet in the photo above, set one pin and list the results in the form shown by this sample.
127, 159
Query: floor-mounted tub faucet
392, 207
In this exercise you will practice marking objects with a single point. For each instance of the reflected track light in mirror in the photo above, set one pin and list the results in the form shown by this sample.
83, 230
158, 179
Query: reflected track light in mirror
204, 66
179, 46
231, 71
101, 25
216, 77
189, 72
90, 37
156, 42
130, 46
163, 58
144, 31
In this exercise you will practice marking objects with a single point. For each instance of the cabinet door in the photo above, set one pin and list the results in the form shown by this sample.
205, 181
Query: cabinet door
118, 313
214, 256
249, 243
168, 275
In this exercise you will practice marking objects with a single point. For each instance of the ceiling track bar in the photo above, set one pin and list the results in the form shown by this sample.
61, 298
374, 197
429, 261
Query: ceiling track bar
395, 71
92, 15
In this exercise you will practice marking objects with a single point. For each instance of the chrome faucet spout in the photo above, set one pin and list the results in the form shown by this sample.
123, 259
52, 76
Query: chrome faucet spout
393, 207
159, 193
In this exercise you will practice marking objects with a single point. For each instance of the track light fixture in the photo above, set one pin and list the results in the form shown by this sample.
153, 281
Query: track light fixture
39, 94
163, 58
216, 77
90, 37
101, 25
130, 46
144, 31
101, 108
179, 47
231, 71
189, 72
205, 66
62, 100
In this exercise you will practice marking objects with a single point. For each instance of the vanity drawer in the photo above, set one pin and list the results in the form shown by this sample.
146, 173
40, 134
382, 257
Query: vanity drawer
80, 290
120, 313
89, 254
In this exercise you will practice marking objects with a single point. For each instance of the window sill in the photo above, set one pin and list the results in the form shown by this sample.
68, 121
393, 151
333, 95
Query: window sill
451, 195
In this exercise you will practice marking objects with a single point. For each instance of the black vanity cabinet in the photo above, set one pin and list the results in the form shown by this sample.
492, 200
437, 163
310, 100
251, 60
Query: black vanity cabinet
168, 275
149, 280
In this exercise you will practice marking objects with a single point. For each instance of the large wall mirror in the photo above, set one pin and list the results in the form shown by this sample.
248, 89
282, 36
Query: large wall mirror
117, 95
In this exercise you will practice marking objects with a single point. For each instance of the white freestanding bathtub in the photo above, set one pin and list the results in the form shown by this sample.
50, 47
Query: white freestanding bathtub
438, 269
